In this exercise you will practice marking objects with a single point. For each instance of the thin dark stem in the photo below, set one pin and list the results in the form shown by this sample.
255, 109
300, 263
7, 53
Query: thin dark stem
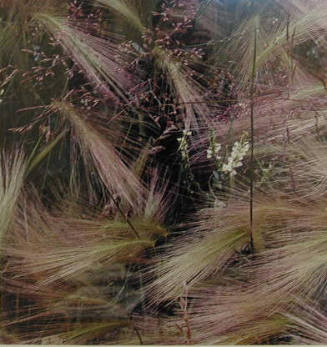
138, 237
252, 96
138, 335
289, 54
124, 216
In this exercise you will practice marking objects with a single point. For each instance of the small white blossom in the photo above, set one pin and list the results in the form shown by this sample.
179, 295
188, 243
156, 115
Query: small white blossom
236, 157
183, 145
187, 133
209, 153
229, 168
213, 150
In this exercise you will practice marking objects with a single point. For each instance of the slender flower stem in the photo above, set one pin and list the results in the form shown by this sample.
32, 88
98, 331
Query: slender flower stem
252, 97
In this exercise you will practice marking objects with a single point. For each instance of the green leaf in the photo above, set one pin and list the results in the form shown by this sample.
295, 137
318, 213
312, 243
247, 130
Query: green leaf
44, 152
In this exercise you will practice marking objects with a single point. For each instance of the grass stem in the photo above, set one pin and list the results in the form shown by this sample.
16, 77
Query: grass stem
252, 97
